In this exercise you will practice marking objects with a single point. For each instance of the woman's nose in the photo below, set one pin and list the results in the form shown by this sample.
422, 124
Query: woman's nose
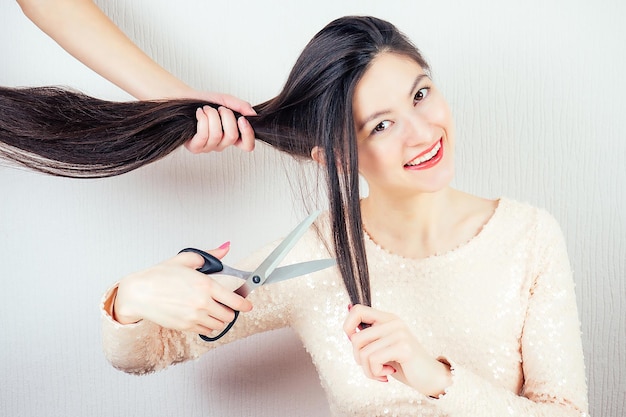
418, 130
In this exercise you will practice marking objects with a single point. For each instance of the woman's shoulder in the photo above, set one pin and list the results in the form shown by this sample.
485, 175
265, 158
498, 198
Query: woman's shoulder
521, 209
524, 215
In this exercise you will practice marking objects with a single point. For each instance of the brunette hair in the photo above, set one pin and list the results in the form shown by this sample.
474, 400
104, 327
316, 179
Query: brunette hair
66, 133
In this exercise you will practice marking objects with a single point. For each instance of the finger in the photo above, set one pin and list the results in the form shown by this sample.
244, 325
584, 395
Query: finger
208, 324
206, 331
221, 251
199, 140
390, 331
359, 314
230, 299
374, 358
217, 311
246, 140
238, 105
215, 131
229, 128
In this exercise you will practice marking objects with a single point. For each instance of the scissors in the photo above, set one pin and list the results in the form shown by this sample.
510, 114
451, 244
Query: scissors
266, 272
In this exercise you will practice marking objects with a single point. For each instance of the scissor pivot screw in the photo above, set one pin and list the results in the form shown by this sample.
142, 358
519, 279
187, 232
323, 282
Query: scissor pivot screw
256, 279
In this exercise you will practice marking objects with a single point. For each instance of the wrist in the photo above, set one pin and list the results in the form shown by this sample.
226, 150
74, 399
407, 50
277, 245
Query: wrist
441, 378
120, 309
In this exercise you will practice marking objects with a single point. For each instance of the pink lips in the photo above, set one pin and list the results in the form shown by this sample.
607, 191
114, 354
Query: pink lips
432, 161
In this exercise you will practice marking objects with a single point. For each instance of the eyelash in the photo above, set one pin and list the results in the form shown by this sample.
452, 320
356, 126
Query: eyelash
415, 99
420, 91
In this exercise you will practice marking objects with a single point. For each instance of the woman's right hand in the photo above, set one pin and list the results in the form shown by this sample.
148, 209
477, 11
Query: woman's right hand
174, 295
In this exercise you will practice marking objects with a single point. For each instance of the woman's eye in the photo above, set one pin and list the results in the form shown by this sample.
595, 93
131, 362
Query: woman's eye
382, 126
421, 94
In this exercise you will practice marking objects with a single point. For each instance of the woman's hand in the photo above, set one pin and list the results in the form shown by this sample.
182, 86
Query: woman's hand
387, 347
174, 295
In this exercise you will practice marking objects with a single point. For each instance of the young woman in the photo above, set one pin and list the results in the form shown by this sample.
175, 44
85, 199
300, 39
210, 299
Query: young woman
468, 303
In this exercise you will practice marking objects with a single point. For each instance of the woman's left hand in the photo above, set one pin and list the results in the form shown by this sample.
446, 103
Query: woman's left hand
388, 347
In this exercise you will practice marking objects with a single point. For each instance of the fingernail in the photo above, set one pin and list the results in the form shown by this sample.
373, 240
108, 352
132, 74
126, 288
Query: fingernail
349, 307
225, 245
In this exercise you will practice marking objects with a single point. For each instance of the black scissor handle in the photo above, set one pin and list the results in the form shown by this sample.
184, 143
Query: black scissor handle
211, 266
211, 263
226, 329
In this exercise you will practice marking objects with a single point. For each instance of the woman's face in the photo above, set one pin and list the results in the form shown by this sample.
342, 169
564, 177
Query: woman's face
404, 129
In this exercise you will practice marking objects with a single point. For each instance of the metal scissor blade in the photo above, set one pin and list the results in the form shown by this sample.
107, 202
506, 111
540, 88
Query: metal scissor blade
271, 262
291, 271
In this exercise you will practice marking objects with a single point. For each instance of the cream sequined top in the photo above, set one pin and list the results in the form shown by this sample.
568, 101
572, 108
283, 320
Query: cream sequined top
500, 308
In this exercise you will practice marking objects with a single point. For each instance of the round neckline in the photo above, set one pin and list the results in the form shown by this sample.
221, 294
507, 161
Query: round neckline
468, 243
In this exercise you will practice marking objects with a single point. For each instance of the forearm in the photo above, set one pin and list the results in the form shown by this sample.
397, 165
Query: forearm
470, 394
142, 347
84, 31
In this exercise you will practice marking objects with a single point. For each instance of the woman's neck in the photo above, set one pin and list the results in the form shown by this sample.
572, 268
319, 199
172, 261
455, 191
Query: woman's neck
425, 224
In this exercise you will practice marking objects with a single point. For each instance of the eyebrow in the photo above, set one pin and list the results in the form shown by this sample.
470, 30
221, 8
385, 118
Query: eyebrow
371, 117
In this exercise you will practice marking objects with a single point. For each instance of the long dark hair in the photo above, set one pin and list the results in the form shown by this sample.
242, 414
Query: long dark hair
66, 133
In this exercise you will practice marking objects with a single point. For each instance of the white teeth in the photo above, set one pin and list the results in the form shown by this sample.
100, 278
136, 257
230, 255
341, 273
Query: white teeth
425, 157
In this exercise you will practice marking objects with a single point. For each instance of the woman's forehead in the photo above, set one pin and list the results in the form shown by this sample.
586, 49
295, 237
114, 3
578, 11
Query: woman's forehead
389, 78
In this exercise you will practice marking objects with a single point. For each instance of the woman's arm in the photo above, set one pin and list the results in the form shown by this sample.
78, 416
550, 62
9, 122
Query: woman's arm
552, 356
151, 319
551, 346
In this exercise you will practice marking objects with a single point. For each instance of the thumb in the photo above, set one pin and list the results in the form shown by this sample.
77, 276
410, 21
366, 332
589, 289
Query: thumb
220, 252
238, 105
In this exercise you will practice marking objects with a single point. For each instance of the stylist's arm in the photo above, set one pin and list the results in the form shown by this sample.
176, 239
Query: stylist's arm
83, 30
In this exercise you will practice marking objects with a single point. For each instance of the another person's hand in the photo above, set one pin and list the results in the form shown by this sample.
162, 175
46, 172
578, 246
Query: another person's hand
388, 347
82, 29
219, 129
174, 295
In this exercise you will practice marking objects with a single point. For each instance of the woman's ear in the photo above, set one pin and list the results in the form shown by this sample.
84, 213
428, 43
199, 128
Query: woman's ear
317, 154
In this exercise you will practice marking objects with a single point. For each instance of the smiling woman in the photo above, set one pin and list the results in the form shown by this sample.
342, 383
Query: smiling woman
405, 138
453, 304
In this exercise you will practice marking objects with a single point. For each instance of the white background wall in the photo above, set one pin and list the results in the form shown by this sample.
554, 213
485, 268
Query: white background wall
538, 90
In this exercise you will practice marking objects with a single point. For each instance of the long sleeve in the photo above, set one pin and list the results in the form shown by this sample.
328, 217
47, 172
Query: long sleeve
552, 357
146, 347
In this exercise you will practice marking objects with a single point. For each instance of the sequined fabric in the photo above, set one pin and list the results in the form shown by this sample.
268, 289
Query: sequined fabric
500, 309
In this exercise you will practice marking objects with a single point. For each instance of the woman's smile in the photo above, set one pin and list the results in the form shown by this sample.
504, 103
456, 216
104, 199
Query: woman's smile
427, 159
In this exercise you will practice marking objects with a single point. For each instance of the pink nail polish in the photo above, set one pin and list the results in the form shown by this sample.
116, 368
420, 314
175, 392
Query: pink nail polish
349, 307
225, 245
